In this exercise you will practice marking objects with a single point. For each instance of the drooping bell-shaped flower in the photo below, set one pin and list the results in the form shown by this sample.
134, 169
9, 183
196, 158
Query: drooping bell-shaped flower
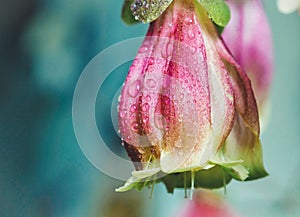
288, 6
187, 112
248, 37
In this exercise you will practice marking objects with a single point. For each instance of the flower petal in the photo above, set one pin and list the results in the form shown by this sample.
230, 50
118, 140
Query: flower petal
248, 37
211, 96
243, 142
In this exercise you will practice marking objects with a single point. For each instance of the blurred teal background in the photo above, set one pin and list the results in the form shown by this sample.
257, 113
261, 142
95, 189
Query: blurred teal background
44, 46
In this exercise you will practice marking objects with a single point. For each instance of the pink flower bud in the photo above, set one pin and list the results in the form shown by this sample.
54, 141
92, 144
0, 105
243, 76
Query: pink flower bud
182, 96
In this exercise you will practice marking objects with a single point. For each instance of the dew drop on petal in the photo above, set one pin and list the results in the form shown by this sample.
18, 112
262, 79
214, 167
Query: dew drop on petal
180, 152
181, 74
134, 88
145, 120
148, 98
122, 114
179, 144
188, 20
167, 101
151, 83
191, 34
193, 49
145, 107
133, 108
135, 126
151, 61
166, 51
144, 49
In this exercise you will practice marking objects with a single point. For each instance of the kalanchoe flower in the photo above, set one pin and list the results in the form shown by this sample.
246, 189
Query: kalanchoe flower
187, 112
288, 6
248, 36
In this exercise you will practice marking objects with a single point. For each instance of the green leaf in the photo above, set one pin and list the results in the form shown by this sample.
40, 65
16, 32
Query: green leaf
217, 10
127, 16
147, 11
131, 183
212, 178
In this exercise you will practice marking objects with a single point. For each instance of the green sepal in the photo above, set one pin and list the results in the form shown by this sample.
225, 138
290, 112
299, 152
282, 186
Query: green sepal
234, 168
212, 178
254, 163
131, 183
147, 11
126, 15
243, 144
215, 177
217, 10
219, 29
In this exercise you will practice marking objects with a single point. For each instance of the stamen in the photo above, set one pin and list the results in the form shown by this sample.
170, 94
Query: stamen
192, 184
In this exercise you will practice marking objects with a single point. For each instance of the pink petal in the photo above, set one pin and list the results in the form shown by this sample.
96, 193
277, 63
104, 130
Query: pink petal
248, 37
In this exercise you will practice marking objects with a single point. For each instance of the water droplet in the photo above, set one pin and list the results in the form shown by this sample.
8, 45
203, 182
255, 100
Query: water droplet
144, 49
133, 108
191, 34
145, 120
151, 61
145, 107
134, 88
180, 152
193, 49
148, 98
181, 75
151, 83
141, 151
167, 101
135, 126
122, 114
188, 20
166, 51
179, 144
